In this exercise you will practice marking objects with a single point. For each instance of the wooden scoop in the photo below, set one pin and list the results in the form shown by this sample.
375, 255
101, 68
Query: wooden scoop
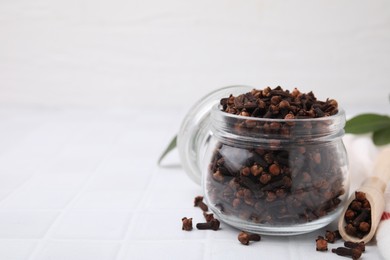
374, 188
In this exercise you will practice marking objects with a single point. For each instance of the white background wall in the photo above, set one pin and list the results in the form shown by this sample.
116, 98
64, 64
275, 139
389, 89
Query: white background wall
166, 53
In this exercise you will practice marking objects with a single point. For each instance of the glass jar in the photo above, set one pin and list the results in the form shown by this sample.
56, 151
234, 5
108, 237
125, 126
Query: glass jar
269, 176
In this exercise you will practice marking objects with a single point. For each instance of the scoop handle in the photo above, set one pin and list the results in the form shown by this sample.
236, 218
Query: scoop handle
374, 188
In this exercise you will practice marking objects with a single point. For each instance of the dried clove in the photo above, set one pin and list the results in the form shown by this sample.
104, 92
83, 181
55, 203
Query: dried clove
321, 244
208, 216
198, 202
359, 245
213, 224
245, 237
354, 253
187, 224
332, 236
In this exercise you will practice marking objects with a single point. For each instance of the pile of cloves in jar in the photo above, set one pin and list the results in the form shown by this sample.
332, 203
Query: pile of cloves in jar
276, 185
350, 249
214, 224
278, 103
358, 216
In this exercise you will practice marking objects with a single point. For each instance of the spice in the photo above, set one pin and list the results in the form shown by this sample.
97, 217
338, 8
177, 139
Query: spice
354, 253
358, 216
278, 103
198, 202
208, 216
332, 236
321, 244
289, 184
352, 249
245, 237
213, 224
187, 224
359, 245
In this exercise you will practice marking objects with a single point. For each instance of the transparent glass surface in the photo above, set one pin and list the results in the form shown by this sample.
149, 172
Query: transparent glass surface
269, 176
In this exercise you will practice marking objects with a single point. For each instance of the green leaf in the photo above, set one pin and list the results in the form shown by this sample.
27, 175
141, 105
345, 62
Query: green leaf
171, 146
381, 137
366, 123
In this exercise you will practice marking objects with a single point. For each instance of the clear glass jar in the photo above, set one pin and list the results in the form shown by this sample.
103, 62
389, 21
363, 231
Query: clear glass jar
269, 176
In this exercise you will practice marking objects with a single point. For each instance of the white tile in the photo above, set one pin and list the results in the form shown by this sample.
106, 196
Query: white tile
25, 224
165, 225
17, 165
225, 232
80, 250
16, 249
221, 249
129, 164
127, 200
4, 194
172, 179
38, 199
92, 225
136, 180
189, 250
104, 132
96, 150
35, 147
130, 151
12, 181
12, 132
71, 164
55, 181
166, 198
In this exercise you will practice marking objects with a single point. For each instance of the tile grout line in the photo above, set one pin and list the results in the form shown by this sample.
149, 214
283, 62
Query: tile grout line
35, 173
22, 185
42, 241
206, 249
137, 209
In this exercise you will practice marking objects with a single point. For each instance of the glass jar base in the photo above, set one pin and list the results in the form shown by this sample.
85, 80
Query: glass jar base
287, 230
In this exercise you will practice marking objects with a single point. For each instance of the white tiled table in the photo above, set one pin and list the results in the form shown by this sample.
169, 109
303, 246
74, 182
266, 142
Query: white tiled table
84, 184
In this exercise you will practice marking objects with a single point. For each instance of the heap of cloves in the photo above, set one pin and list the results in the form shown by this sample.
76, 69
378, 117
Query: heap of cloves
213, 223
278, 103
330, 237
350, 249
273, 183
358, 216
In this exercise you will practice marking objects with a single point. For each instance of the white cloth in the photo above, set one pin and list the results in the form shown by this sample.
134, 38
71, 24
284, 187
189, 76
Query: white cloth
382, 234
361, 154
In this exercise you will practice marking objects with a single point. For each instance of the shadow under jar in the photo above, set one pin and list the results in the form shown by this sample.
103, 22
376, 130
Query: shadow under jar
269, 176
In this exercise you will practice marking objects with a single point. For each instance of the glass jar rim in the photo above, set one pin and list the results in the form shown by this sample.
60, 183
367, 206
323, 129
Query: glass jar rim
339, 115
195, 127
199, 122
244, 130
